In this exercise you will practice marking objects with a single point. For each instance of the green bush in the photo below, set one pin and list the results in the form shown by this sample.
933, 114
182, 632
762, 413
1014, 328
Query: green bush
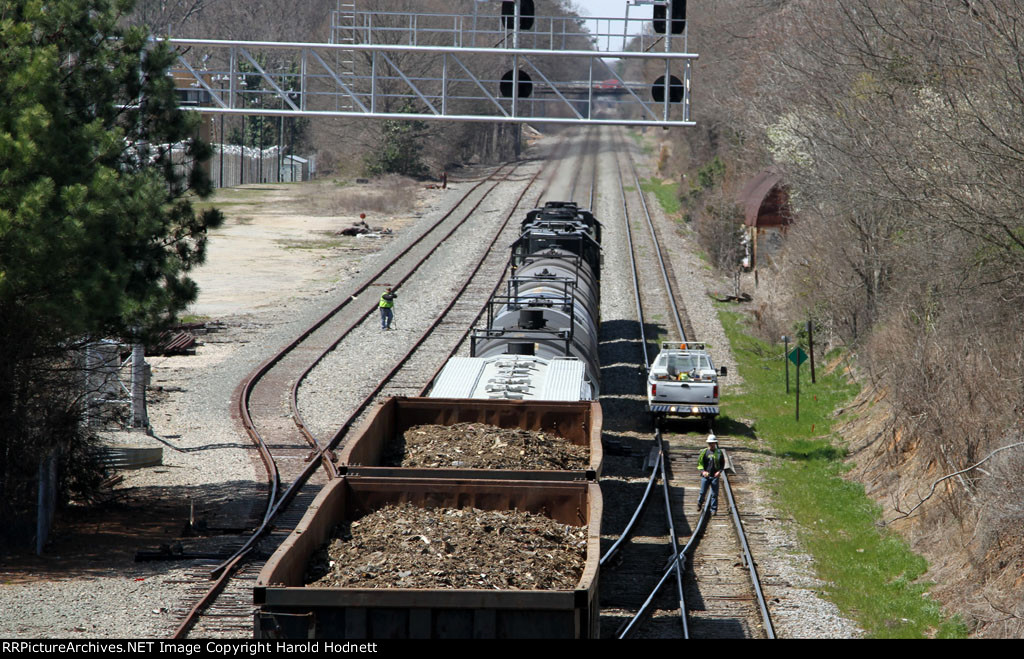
400, 150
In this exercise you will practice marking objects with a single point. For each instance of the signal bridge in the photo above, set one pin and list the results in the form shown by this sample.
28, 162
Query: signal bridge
497, 64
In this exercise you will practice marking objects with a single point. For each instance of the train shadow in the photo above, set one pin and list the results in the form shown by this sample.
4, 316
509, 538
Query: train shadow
626, 414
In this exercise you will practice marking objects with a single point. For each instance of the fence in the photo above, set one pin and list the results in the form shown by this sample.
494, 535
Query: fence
233, 165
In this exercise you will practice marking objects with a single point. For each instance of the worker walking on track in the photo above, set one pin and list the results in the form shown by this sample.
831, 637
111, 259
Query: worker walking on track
387, 308
710, 464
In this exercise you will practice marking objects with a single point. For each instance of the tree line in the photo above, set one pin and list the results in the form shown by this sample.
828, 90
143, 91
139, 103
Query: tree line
97, 225
898, 126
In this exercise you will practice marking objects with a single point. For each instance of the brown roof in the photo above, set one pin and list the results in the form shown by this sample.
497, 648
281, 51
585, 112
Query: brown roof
753, 197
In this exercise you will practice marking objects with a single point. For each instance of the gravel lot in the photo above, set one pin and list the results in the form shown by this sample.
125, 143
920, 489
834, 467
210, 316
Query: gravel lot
101, 592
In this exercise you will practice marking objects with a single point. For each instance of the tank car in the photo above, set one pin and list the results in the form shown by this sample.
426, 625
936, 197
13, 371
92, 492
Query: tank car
540, 337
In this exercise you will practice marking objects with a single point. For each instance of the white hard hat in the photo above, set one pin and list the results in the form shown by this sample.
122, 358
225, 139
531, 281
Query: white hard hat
712, 439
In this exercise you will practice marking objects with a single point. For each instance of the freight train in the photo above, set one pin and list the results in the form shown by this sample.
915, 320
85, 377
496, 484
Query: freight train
533, 366
540, 337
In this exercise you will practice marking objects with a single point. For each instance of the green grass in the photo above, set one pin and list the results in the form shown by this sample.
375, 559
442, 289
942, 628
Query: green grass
870, 573
645, 146
667, 194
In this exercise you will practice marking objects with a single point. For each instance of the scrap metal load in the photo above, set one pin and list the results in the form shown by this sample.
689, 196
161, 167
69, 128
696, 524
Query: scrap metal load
378, 593
540, 337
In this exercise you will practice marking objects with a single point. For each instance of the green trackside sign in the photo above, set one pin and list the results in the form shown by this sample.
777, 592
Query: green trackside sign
798, 356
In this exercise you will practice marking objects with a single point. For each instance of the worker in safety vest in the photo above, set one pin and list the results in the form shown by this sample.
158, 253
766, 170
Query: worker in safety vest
710, 464
387, 311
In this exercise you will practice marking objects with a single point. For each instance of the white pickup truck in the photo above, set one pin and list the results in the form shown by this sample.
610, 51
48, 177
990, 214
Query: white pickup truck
683, 382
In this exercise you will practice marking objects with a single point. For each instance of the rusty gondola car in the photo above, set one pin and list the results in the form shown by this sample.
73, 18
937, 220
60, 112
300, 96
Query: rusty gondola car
578, 423
290, 609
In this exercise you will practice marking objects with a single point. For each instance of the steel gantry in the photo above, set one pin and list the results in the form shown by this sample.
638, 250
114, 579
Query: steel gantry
496, 64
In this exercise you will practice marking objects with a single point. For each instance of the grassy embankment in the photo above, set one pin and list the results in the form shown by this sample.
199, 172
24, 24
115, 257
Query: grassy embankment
871, 574
667, 194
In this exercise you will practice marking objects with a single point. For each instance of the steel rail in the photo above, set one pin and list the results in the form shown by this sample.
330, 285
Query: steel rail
748, 559
670, 295
672, 534
679, 560
740, 532
643, 343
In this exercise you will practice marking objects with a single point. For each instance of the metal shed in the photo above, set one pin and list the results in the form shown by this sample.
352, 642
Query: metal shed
294, 168
767, 213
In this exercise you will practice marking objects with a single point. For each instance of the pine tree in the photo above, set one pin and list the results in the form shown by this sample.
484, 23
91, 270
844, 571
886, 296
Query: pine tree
97, 230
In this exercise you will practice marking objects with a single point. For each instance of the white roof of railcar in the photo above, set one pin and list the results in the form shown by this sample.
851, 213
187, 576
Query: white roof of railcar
513, 377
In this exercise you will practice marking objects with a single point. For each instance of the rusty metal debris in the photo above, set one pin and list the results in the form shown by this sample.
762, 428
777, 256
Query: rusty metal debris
404, 546
173, 343
478, 445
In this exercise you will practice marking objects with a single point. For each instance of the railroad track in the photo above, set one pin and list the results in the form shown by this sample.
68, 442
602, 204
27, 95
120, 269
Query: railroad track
712, 589
292, 453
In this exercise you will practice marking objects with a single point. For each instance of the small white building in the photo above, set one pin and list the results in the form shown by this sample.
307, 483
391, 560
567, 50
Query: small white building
294, 168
